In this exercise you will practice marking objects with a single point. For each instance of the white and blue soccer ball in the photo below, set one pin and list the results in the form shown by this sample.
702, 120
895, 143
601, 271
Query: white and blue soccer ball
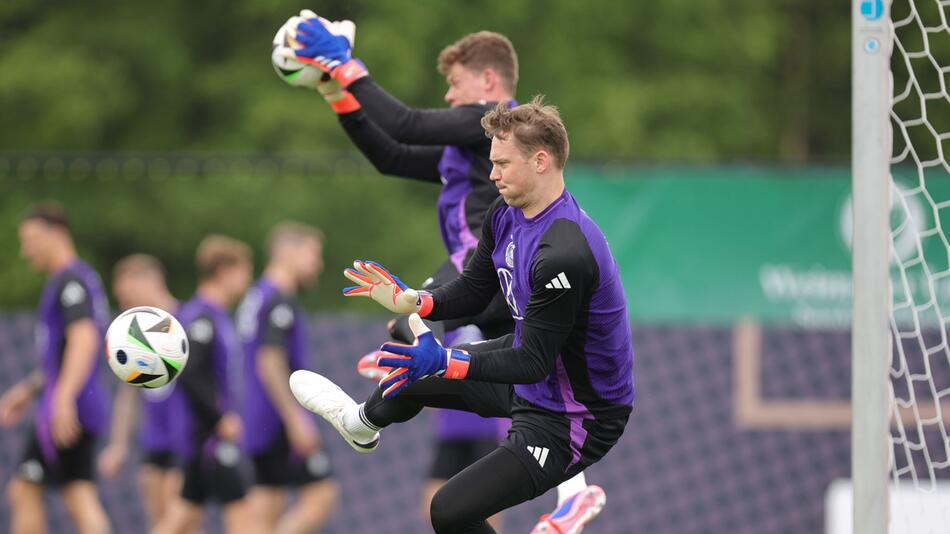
146, 347
285, 44
282, 58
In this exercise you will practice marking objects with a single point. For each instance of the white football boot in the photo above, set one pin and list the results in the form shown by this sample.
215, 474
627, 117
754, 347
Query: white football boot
324, 398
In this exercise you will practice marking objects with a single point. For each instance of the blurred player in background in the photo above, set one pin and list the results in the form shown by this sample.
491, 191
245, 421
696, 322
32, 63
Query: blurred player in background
139, 280
73, 404
565, 377
284, 444
443, 146
207, 426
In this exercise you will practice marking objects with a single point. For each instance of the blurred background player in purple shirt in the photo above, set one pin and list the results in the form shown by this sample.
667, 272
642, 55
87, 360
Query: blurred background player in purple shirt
139, 280
73, 404
285, 446
206, 424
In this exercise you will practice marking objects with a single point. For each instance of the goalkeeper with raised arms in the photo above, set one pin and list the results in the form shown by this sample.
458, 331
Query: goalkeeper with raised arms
564, 377
445, 146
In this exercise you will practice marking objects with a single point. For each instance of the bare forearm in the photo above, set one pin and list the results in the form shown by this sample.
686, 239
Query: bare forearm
123, 417
79, 357
34, 380
274, 373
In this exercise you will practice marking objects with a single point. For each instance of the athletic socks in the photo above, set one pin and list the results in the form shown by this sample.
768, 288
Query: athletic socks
356, 423
571, 487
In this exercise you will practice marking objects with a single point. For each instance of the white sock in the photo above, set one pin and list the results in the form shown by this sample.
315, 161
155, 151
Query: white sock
569, 488
355, 422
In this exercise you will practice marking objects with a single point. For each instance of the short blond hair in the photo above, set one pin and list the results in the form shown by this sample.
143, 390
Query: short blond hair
292, 232
534, 126
137, 265
216, 251
482, 50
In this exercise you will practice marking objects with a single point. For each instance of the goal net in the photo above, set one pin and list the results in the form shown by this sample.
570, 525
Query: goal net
920, 266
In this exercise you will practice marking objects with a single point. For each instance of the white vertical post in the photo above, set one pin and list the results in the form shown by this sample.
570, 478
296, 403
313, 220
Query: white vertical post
870, 338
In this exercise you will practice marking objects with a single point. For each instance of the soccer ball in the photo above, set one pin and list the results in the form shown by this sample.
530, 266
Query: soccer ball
282, 58
285, 43
146, 347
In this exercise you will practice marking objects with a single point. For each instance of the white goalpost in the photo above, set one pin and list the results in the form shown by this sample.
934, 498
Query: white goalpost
901, 266
871, 245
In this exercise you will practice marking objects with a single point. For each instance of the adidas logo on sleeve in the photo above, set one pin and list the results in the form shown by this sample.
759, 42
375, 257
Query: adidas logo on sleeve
558, 282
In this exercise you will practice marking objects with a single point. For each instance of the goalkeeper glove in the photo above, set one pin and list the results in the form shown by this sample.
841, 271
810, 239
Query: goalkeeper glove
340, 100
302, 74
375, 282
426, 357
325, 45
285, 44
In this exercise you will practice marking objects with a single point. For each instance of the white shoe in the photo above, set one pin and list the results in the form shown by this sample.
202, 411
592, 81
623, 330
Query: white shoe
324, 398
574, 513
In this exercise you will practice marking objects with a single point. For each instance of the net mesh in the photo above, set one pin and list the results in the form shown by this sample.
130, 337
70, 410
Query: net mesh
920, 369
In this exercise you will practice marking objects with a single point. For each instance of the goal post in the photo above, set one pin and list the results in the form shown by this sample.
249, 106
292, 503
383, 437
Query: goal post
901, 266
871, 192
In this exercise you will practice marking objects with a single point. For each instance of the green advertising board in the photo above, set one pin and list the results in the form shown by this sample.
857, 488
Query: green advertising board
713, 245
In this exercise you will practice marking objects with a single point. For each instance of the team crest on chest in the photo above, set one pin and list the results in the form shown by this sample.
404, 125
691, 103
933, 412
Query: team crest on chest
506, 279
510, 253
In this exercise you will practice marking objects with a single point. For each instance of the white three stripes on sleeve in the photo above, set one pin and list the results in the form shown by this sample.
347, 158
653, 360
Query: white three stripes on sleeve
558, 282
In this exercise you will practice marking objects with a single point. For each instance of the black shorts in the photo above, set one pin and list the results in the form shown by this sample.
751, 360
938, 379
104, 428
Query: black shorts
278, 466
161, 460
451, 456
70, 464
539, 438
545, 442
215, 475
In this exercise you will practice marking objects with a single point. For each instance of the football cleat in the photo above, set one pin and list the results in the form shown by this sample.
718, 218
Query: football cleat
369, 368
324, 398
571, 516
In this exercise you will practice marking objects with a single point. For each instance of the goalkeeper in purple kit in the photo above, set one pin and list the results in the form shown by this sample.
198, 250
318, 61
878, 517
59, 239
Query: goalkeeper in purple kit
564, 377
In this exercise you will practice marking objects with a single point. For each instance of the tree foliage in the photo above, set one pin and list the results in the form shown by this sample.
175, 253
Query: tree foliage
674, 80
677, 80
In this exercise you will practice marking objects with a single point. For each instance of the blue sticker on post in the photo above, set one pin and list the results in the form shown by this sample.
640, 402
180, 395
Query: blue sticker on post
872, 9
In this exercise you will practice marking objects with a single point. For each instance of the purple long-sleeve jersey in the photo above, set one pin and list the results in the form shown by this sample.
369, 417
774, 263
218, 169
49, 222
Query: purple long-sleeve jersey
572, 352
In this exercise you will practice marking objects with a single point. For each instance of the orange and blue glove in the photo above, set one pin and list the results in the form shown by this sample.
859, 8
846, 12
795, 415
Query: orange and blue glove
424, 358
376, 282
328, 51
